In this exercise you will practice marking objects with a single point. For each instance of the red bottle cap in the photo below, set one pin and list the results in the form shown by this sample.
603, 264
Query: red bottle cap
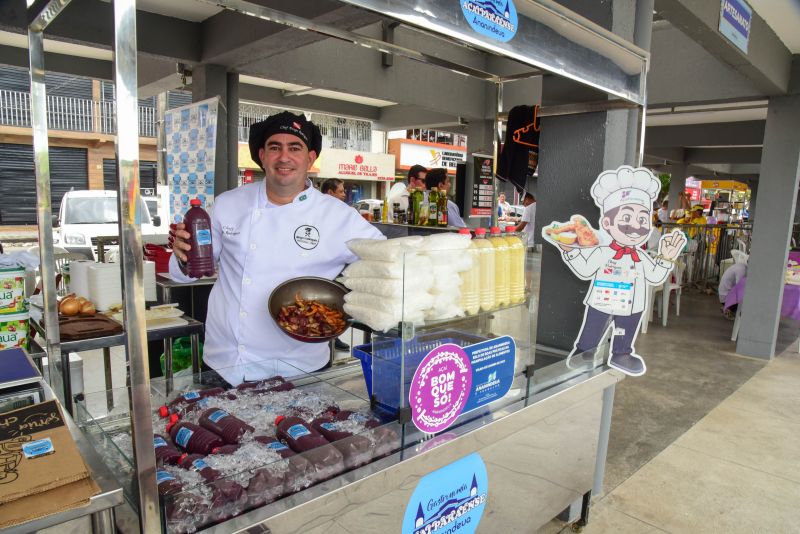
279, 419
183, 456
169, 426
215, 450
174, 418
480, 231
195, 202
163, 411
464, 231
511, 229
495, 230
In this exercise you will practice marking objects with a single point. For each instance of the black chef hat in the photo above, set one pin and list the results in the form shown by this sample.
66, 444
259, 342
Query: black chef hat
287, 123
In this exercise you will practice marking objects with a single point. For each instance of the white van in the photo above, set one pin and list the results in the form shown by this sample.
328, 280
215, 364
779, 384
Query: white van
88, 214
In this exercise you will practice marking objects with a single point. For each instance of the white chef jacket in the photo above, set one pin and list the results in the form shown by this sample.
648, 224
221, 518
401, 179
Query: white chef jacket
257, 245
586, 263
398, 193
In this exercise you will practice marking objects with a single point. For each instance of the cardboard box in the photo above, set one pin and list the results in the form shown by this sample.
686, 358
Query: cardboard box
41, 469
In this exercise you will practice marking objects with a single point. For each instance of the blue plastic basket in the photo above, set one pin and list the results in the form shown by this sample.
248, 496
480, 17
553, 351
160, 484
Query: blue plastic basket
381, 361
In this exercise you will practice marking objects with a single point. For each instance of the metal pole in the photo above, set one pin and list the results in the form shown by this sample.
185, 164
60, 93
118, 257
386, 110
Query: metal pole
44, 213
602, 441
161, 142
129, 201
498, 137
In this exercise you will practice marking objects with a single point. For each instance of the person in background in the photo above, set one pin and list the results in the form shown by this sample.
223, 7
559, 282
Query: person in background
655, 236
528, 222
503, 208
399, 191
438, 178
663, 212
732, 276
335, 188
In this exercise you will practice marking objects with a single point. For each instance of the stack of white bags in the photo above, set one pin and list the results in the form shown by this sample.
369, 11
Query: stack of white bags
408, 279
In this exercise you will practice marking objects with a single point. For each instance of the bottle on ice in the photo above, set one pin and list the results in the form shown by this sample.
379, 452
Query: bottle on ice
356, 449
299, 473
301, 437
227, 426
200, 258
166, 452
193, 438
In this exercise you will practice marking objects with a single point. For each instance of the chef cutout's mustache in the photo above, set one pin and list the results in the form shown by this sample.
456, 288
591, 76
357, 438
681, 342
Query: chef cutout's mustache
628, 229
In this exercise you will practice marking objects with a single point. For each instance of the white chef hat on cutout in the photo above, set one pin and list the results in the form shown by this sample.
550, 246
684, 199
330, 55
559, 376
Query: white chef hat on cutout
625, 185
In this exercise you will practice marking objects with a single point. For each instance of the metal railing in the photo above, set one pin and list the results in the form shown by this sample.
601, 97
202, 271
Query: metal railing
95, 116
707, 247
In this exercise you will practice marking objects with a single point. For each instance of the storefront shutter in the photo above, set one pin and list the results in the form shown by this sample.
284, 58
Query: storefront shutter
147, 174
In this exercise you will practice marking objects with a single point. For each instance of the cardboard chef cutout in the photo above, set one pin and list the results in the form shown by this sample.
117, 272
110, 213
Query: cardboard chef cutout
612, 259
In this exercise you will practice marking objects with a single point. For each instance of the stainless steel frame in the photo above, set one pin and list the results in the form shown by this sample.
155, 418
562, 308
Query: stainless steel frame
573, 48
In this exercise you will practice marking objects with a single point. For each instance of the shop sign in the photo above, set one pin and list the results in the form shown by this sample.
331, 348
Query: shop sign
495, 19
482, 188
451, 380
450, 499
723, 184
735, 18
353, 165
694, 194
431, 155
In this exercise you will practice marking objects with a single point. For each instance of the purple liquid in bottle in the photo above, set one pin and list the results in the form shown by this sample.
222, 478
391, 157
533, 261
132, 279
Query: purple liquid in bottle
194, 439
299, 473
223, 424
356, 449
200, 259
166, 452
301, 437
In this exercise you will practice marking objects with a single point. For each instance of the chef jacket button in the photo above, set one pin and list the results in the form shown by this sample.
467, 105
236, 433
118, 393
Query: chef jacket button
252, 246
242, 313
241, 348
247, 281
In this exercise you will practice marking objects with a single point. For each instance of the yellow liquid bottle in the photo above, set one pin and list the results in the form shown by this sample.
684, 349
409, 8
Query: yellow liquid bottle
516, 281
502, 268
486, 268
470, 279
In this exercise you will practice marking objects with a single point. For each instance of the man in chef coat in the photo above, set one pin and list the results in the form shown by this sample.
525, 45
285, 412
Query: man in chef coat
263, 234
621, 270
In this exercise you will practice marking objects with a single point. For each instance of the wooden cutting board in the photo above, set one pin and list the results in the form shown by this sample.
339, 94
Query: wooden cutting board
75, 328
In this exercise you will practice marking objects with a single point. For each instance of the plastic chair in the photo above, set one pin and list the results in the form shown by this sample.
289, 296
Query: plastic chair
739, 256
648, 305
676, 285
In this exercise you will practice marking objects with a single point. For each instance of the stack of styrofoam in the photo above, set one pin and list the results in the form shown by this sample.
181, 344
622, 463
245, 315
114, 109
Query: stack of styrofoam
447, 254
79, 277
105, 284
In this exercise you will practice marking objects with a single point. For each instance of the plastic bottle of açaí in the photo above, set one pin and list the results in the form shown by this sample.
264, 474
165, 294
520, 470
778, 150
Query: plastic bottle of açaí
227, 426
200, 259
193, 438
303, 438
355, 448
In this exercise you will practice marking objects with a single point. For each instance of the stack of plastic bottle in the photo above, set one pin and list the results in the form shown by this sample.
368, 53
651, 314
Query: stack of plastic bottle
220, 453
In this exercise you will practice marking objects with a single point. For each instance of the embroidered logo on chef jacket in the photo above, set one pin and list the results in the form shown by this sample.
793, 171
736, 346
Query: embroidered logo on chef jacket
229, 230
306, 237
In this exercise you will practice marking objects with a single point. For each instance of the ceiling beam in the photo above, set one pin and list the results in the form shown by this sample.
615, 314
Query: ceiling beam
275, 97
78, 66
767, 63
712, 134
725, 155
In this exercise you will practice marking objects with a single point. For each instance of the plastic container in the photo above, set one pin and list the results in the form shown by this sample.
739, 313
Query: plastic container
166, 452
380, 362
433, 207
229, 427
191, 397
298, 474
194, 439
301, 437
262, 384
14, 331
159, 255
200, 259
12, 291
470, 280
487, 270
355, 448
502, 268
167, 483
516, 282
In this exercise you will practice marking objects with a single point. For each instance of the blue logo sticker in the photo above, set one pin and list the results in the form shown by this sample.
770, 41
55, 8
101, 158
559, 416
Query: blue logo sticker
191, 395
183, 436
216, 415
450, 499
159, 442
328, 426
163, 476
37, 448
492, 364
199, 464
204, 237
276, 446
496, 19
298, 431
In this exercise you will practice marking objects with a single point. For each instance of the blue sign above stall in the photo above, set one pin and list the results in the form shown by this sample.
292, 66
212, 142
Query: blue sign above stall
496, 19
735, 18
450, 499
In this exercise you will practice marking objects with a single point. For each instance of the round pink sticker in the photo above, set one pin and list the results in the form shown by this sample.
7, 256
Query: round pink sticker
440, 388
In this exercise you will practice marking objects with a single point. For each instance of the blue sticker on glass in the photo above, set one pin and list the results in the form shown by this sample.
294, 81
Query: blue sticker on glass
492, 364
204, 237
450, 499
298, 431
496, 19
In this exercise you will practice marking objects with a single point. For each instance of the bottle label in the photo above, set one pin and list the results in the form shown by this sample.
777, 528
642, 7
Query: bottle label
358, 417
298, 431
203, 237
199, 465
191, 395
216, 415
163, 476
182, 437
277, 446
159, 442
329, 426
